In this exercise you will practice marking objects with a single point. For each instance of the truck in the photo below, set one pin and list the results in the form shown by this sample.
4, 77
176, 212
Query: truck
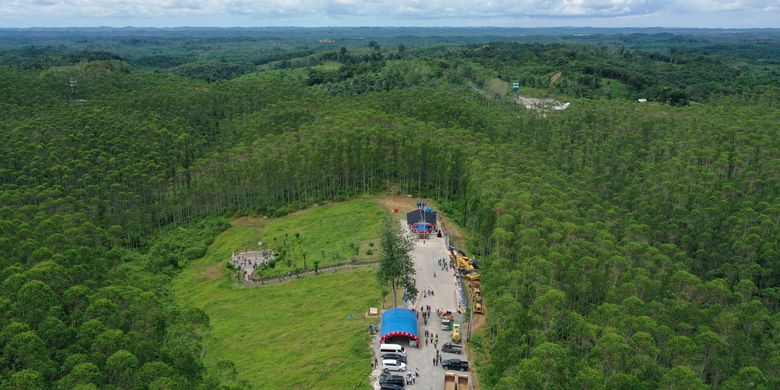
451, 347
455, 364
463, 382
449, 381
446, 320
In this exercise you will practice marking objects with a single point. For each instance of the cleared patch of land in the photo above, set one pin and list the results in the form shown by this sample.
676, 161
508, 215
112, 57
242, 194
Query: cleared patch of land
331, 233
405, 204
294, 334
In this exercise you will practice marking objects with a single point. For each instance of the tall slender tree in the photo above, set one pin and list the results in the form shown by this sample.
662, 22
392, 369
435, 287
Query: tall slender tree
396, 267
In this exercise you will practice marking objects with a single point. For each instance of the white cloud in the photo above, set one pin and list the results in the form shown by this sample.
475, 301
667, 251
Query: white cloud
402, 10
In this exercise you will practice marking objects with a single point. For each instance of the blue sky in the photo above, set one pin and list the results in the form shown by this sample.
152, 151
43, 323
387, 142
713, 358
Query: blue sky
311, 13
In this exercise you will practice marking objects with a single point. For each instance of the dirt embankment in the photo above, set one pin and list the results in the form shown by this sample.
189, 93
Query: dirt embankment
555, 77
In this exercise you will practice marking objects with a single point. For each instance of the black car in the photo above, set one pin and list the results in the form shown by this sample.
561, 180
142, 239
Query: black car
391, 387
392, 380
395, 356
455, 364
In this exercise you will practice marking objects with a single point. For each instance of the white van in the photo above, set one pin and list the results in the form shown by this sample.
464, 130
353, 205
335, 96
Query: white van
393, 365
391, 348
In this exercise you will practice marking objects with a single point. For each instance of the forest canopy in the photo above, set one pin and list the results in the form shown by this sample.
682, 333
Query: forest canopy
622, 244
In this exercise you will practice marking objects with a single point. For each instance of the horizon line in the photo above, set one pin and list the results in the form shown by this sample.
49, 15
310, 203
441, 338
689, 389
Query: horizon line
391, 26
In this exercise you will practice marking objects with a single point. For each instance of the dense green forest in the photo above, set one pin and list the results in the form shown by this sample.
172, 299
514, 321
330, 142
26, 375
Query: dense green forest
622, 245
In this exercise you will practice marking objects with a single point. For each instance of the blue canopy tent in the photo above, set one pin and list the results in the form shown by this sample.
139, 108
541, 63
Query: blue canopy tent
399, 322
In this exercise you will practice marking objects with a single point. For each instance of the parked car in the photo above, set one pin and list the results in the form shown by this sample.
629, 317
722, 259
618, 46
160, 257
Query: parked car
391, 387
451, 347
392, 380
393, 365
392, 348
394, 356
455, 364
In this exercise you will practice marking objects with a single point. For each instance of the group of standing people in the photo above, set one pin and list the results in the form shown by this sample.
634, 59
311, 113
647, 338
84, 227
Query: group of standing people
432, 338
247, 262
444, 264
412, 378
437, 358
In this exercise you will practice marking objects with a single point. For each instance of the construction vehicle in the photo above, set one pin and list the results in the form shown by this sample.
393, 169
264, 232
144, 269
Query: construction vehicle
463, 264
446, 320
478, 307
449, 381
456, 332
476, 292
446, 324
460, 260
463, 382
471, 275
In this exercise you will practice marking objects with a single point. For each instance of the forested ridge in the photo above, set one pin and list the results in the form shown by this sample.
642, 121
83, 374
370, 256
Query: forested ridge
622, 245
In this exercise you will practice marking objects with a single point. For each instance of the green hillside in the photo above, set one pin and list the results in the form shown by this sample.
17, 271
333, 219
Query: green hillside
293, 334
621, 244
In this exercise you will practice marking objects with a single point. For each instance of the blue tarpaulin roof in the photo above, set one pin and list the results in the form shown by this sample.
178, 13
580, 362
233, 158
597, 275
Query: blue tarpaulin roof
399, 322
421, 216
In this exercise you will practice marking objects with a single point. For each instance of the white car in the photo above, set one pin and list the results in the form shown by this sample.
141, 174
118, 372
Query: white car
393, 365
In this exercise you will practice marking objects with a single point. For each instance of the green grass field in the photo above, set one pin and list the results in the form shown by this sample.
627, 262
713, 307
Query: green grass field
332, 233
329, 234
294, 334
329, 66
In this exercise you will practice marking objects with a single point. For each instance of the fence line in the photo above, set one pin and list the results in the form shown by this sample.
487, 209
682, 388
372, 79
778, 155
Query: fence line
300, 274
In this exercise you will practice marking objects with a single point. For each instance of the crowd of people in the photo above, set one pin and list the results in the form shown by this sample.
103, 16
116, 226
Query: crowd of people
445, 264
247, 262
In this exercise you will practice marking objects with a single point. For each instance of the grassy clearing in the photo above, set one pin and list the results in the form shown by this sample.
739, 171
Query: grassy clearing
294, 334
329, 234
329, 66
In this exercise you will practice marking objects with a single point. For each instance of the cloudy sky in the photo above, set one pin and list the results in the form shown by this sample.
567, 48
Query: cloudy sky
509, 13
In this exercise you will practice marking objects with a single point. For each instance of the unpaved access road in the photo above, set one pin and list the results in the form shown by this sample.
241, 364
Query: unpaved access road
445, 297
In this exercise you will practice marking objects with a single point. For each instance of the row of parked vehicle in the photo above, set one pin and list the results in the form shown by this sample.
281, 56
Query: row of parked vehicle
393, 360
451, 381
